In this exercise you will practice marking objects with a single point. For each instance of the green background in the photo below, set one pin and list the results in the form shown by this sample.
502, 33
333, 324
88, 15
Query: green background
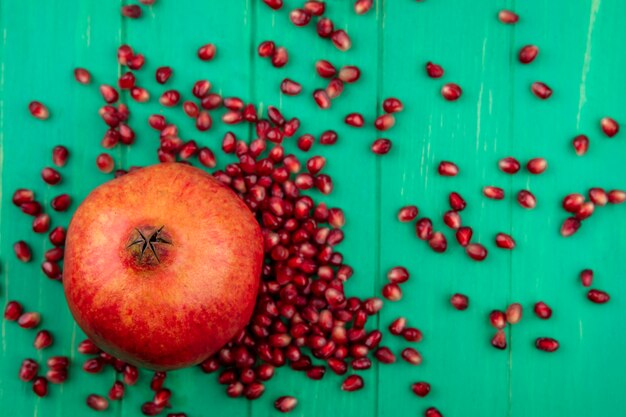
581, 58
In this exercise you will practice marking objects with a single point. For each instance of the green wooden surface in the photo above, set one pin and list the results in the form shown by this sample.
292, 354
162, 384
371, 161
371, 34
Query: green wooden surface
580, 58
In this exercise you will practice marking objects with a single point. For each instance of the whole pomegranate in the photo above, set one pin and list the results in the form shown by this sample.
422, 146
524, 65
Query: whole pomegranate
162, 266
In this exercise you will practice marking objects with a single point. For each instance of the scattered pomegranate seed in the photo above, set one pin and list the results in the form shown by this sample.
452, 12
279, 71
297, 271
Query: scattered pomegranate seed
585, 210
499, 340
23, 196
274, 4
542, 310
507, 17
464, 235
572, 202
528, 54
266, 49
321, 99
355, 120
537, 165
384, 122
329, 137
124, 54
43, 339
452, 219
136, 62
509, 165
547, 344
434, 70
363, 6
448, 169
341, 40
392, 292
169, 98
581, 144
163, 74
300, 17
105, 163
109, 93
381, 146
190, 108
432, 412
457, 202
398, 275
290, 87
58, 362
254, 390
325, 27
598, 196
411, 356
32, 208
459, 301
126, 81
407, 213
38, 110
541, 90
52, 270
51, 176
82, 75
28, 370
570, 226
203, 121
497, 319
451, 91
616, 196
586, 277
494, 193
117, 391
280, 57
40, 386
385, 355
56, 376
598, 297
325, 69
352, 383
438, 242
29, 320
97, 402
513, 313
285, 404
424, 228
349, 74
504, 241
139, 94
207, 52
41, 223
526, 199
609, 126
421, 389
397, 326
60, 203
392, 105
334, 88
132, 12
12, 311
412, 334
57, 236
22, 251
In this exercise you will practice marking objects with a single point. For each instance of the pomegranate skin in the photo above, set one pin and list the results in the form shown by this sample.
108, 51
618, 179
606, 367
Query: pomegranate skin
176, 305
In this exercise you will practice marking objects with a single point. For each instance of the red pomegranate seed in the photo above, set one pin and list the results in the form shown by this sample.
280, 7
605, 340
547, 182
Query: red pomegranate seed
201, 89
117, 391
163, 74
285, 404
434, 70
157, 122
586, 277
124, 54
87, 347
451, 91
139, 94
537, 165
528, 54
495, 193
476, 251
526, 199
274, 4
290, 87
448, 169
457, 202
32, 208
581, 144
598, 196
266, 49
398, 275
411, 356
464, 235
392, 105
547, 344
315, 164
397, 326
329, 137
424, 228
169, 98
305, 142
38, 110
509, 165
314, 7
514, 313
438, 242
541, 90
585, 210
616, 196
28, 370
598, 297
207, 52
452, 219
381, 146
363, 6
570, 226
280, 57
325, 69
499, 340
334, 88
22, 251
12, 311
191, 109
392, 292
51, 176
110, 139
61, 202
572, 202
542, 310
341, 40
412, 334
352, 383
43, 339
126, 81
56, 376
54, 254
507, 17
497, 319
384, 122
203, 121
97, 402
421, 389
29, 320
40, 386
609, 126
127, 135
52, 270
105, 163
109, 93
325, 27
41, 223
163, 395
504, 241
321, 99
300, 17
407, 213
254, 390
58, 362
349, 74
132, 12
324, 184
57, 236
136, 62
384, 355
355, 120
232, 117
22, 196
432, 411
459, 301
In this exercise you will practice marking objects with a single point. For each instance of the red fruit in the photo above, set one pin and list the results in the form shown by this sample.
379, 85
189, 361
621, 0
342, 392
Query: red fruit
124, 54
325, 69
507, 17
163, 250
398, 275
28, 370
459, 301
126, 81
363, 6
424, 228
432, 412
526, 199
585, 210
29, 320
97, 402
349, 74
452, 219
39, 110
328, 137
537, 165
82, 75
570, 226
581, 144
586, 277
254, 390
412, 334
290, 87
50, 176
31, 208
325, 27
542, 310
57, 236
207, 52
266, 49
572, 202
22, 196
456, 201
464, 235
274, 4
384, 122
354, 119
411, 356
547, 344
352, 383
280, 57
509, 165
421, 389
56, 376
40, 386
504, 241
52, 270
476, 251
300, 17
321, 99
105, 163
438, 242
397, 326
499, 340
12, 311
163, 74
334, 88
616, 196
341, 40
451, 91
495, 193
54, 255
598, 297
381, 146
316, 8
43, 339
598, 196
407, 213
392, 292
109, 93
528, 54
61, 202
285, 404
434, 70
58, 362
41, 223
609, 126
22, 251
385, 355
132, 12
392, 105
169, 98
497, 319
139, 94
541, 90
117, 391
448, 169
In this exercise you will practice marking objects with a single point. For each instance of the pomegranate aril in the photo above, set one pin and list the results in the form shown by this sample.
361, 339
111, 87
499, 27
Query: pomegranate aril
117, 391
61, 202
497, 319
109, 93
509, 165
82, 75
537, 165
385, 355
124, 54
541, 90
609, 126
381, 146
12, 311
139, 94
321, 99
363, 6
398, 275
274, 4
207, 52
412, 334
598, 296
163, 74
349, 74
41, 223
494, 193
254, 390
598, 196
126, 81
585, 210
392, 292
527, 54
300, 17
499, 340
329, 137
163, 395
105, 163
354, 120
285, 404
451, 91
452, 219
203, 121
547, 344
314, 7
169, 98
29, 320
448, 169
411, 356
464, 235
384, 122
150, 409
434, 70
514, 313
424, 228
40, 386
28, 370
459, 301
397, 326
32, 208
54, 255
22, 251
507, 17
22, 196
38, 110
526, 199
570, 226
542, 310
136, 62
201, 89
572, 202
421, 389
476, 251
56, 376
43, 339
407, 213
325, 27
58, 362
87, 347
57, 236
504, 241
341, 40
280, 57
325, 69
290, 87
51, 176
616, 196
52, 270
586, 277
352, 383
581, 144
334, 88
132, 12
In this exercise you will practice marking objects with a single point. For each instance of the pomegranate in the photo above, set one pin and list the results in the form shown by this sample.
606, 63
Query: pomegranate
162, 266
